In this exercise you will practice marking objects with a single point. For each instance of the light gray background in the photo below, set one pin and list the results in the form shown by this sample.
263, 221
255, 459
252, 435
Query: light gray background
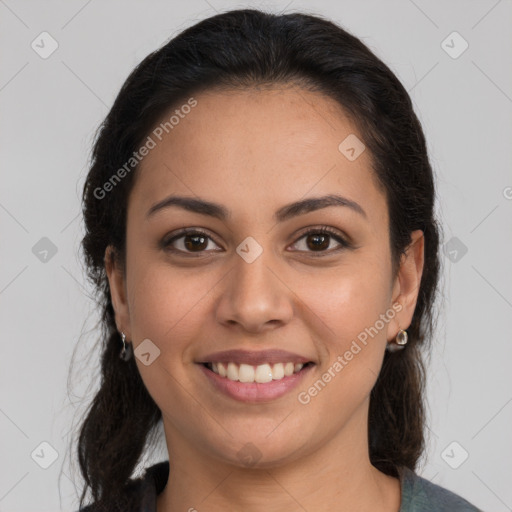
50, 109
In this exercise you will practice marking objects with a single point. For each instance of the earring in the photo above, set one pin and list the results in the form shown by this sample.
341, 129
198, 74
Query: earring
400, 341
126, 351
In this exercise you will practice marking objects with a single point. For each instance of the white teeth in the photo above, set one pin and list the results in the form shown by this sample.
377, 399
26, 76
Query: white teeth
222, 370
246, 373
262, 373
232, 373
278, 371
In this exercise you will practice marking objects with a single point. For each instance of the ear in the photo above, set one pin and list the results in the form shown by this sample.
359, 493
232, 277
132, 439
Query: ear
407, 284
117, 285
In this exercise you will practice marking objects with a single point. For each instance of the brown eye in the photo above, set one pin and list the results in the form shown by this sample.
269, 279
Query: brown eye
319, 240
189, 242
195, 242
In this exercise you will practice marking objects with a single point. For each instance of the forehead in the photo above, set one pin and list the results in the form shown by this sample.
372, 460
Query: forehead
255, 147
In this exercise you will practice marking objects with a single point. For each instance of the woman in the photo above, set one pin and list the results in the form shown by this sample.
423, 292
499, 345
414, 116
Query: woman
260, 228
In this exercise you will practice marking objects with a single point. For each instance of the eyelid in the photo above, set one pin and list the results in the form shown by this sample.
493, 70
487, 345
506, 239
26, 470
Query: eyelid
342, 240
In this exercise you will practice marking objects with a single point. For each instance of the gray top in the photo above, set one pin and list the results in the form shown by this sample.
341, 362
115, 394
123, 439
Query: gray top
418, 494
421, 495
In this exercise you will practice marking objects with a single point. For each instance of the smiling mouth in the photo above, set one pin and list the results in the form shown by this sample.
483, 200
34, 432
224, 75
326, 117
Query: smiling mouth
261, 374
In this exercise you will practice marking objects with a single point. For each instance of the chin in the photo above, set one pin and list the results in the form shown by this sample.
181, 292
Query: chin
261, 452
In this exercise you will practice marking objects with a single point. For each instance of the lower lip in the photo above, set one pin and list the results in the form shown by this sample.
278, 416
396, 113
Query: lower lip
254, 391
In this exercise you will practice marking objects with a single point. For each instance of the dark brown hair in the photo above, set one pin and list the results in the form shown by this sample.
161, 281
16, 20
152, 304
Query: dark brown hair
239, 49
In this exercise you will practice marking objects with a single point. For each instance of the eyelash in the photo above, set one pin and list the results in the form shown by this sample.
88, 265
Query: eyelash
324, 230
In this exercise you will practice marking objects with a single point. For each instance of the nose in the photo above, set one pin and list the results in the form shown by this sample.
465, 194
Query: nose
254, 297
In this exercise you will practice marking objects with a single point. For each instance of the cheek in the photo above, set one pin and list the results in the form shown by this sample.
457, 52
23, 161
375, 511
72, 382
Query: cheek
348, 298
350, 301
171, 303
167, 304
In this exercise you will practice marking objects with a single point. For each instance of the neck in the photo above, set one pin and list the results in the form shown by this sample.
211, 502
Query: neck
336, 476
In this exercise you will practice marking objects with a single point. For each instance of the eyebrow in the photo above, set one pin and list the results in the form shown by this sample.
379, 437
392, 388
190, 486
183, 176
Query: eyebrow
286, 212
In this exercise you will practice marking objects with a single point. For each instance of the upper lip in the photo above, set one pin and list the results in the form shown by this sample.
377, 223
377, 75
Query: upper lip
254, 357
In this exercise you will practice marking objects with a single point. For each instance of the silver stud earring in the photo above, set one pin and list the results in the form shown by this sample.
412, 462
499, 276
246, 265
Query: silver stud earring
400, 341
126, 351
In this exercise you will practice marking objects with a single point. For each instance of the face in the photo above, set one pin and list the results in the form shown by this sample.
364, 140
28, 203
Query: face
259, 277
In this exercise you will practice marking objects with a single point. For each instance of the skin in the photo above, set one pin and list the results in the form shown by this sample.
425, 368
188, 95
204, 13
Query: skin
253, 152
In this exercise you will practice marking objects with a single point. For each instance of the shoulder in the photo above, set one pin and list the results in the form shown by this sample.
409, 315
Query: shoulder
139, 494
420, 495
